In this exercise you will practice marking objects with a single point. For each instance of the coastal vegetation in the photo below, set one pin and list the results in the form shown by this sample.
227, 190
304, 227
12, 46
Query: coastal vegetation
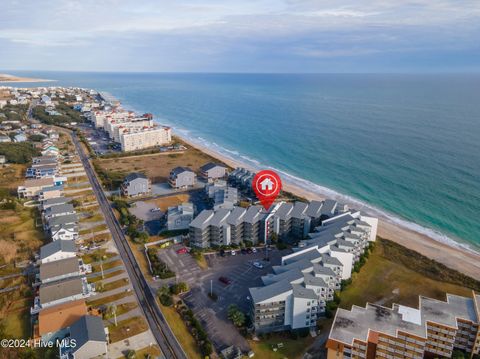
159, 268
67, 115
396, 274
21, 152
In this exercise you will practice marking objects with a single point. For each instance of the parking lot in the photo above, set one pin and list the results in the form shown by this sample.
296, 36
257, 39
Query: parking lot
98, 139
242, 275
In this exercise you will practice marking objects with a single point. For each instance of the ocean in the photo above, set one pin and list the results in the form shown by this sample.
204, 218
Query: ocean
406, 145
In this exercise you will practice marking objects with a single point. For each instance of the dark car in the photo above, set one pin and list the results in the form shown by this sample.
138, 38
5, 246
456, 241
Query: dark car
222, 252
243, 251
249, 250
225, 280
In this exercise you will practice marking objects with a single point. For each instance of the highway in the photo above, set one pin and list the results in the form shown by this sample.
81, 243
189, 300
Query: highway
167, 342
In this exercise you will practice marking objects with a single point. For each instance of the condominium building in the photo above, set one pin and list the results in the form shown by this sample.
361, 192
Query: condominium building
180, 217
297, 291
138, 139
433, 330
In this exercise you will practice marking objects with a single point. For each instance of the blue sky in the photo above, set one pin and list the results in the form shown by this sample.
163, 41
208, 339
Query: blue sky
241, 36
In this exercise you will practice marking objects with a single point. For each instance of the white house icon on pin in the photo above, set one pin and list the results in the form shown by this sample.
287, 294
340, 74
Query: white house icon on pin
266, 184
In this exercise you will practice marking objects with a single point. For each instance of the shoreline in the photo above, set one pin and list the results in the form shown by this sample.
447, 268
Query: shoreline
455, 257
5, 78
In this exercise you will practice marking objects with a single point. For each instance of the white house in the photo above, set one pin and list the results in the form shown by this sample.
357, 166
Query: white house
57, 250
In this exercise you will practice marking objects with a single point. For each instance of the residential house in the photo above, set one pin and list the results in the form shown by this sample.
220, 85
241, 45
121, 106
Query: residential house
57, 250
5, 139
58, 210
182, 177
136, 184
31, 188
20, 137
180, 217
55, 293
212, 171
54, 322
50, 192
59, 270
90, 339
54, 202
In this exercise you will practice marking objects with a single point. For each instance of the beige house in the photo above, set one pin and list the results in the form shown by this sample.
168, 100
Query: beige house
31, 188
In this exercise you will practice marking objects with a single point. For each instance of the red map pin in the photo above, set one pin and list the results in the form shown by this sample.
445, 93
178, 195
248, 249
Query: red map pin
266, 185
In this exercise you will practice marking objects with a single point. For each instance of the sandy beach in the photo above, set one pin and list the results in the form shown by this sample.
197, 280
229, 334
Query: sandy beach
5, 78
462, 260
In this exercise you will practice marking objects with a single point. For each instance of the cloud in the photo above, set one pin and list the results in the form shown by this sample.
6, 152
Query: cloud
226, 32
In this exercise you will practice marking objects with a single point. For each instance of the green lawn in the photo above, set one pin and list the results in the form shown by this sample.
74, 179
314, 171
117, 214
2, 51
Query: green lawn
108, 275
181, 332
292, 348
17, 324
97, 255
107, 300
115, 284
105, 266
127, 328
392, 274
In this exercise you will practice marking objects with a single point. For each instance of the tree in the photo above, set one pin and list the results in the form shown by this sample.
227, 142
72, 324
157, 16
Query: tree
236, 316
131, 354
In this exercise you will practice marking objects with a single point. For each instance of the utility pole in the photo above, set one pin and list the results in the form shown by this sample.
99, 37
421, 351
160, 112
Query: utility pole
211, 287
101, 267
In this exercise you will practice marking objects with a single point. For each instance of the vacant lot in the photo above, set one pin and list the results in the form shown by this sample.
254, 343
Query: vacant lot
164, 202
12, 175
386, 279
157, 166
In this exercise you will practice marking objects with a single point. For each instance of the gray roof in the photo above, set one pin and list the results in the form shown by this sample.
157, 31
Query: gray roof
210, 165
55, 201
59, 290
61, 208
299, 209
253, 215
312, 255
310, 279
291, 275
260, 294
202, 220
302, 292
356, 323
284, 210
58, 268
177, 170
57, 246
52, 188
220, 217
319, 269
446, 312
67, 219
236, 216
328, 208
133, 176
328, 259
87, 328
314, 209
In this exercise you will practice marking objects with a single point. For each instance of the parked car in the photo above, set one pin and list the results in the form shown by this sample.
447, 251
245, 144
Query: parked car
156, 209
233, 252
182, 250
222, 252
254, 250
258, 265
244, 251
225, 280
249, 250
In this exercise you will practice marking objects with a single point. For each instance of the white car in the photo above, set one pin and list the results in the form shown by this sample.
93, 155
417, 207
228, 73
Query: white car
233, 252
258, 265
254, 250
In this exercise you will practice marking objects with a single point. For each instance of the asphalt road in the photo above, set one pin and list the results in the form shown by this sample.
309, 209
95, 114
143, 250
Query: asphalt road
169, 345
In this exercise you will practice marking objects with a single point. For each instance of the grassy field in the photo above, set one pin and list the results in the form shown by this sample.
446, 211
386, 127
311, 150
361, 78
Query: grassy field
292, 348
181, 332
114, 285
19, 237
109, 299
12, 175
156, 166
152, 352
105, 266
164, 202
127, 328
97, 255
393, 274
108, 275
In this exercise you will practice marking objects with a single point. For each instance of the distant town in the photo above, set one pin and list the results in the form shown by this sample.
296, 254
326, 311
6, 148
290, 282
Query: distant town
121, 239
